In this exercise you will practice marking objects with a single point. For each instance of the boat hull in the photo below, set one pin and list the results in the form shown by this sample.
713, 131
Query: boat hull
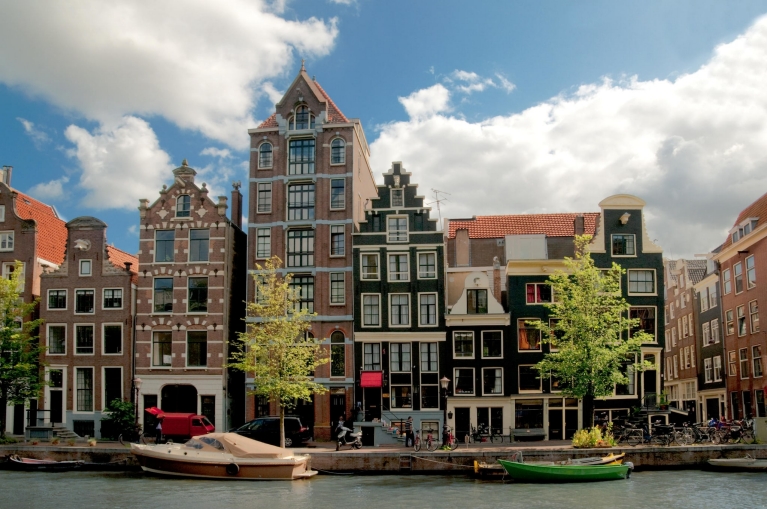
738, 465
31, 464
564, 473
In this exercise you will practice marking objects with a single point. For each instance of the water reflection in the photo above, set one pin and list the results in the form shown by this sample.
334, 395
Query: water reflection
85, 490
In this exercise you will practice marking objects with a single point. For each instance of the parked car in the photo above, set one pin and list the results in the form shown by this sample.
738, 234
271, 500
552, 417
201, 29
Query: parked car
267, 430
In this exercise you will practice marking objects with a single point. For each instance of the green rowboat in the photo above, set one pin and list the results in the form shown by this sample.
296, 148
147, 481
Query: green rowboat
564, 473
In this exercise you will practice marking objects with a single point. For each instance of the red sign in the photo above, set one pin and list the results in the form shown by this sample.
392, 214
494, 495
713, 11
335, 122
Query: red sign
371, 379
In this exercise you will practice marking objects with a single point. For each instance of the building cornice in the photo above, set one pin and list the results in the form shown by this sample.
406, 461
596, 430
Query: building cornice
742, 244
398, 337
480, 319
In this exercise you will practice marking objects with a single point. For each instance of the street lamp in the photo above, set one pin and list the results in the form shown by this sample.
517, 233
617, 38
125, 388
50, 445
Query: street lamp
137, 389
444, 382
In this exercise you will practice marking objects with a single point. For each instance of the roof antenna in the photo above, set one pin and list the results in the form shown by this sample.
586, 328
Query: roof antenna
439, 200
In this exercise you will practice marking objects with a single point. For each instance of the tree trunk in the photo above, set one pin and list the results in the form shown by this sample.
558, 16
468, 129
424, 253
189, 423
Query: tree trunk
282, 426
588, 411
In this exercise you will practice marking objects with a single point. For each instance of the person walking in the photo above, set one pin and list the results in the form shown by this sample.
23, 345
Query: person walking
158, 431
409, 437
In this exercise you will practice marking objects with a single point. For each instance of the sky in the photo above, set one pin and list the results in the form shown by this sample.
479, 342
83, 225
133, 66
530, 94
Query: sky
506, 107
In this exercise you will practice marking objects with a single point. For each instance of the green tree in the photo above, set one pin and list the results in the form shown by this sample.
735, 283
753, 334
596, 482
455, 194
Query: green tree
19, 347
120, 419
596, 341
276, 348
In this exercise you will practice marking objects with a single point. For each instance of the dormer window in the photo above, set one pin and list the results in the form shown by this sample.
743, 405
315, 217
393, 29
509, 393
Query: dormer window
397, 198
303, 119
476, 302
337, 151
183, 206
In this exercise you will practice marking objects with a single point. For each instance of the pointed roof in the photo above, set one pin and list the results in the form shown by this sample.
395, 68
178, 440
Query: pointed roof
758, 209
52, 231
551, 225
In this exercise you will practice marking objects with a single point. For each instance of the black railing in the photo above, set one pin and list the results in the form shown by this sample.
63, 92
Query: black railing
35, 419
650, 401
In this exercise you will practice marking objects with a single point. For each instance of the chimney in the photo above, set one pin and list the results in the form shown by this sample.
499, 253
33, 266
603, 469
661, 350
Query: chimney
237, 204
497, 279
579, 224
5, 175
222, 206
128, 266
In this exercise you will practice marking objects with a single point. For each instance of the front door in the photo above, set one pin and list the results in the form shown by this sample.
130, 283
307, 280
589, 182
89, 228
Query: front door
555, 425
712, 408
372, 401
462, 424
57, 414
18, 419
338, 407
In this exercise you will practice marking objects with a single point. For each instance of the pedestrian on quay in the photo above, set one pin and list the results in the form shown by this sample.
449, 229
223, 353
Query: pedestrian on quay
158, 431
409, 438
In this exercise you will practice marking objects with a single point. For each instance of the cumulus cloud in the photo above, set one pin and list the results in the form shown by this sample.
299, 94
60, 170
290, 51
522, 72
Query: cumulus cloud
221, 153
469, 82
49, 191
427, 102
121, 162
38, 137
692, 147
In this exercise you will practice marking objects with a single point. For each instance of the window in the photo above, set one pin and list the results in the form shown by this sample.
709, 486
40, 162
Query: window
673, 336
337, 288
708, 369
463, 345
738, 272
743, 363
198, 295
6, 241
464, 381
401, 396
529, 379
400, 357
492, 381
398, 267
476, 302
304, 288
397, 229
428, 357
369, 266
337, 194
732, 363
641, 281
729, 321
371, 310
113, 339
539, 293
646, 317
727, 281
715, 330
623, 245
301, 157
717, 368
2, 213
372, 356
84, 383
303, 119
183, 205
113, 298
301, 202
713, 298
703, 298
492, 344
685, 330
300, 248
264, 198
161, 349
263, 243
57, 299
750, 272
427, 265
112, 385
337, 151
57, 339
163, 245
163, 295
427, 303
337, 240
397, 198
265, 155
756, 355
84, 339
687, 357
676, 367
337, 354
741, 320
197, 348
86, 268
706, 334
529, 337
753, 313
399, 314
84, 301
199, 243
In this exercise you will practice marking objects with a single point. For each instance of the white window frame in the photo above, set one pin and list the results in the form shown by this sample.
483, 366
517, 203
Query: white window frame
178, 203
362, 307
715, 336
89, 263
74, 304
738, 316
74, 339
343, 283
742, 361
152, 346
421, 323
707, 334
93, 391
751, 315
343, 236
749, 282
268, 188
401, 192
703, 298
540, 334
2, 213
726, 281
473, 383
363, 254
655, 320
271, 165
717, 368
104, 401
48, 339
409, 311
519, 380
397, 236
259, 254
473, 346
732, 362
122, 299
343, 151
483, 382
708, 370
535, 293
735, 278
7, 238
104, 337
406, 272
646, 294
625, 255
66, 299
391, 358
421, 274
482, 344
754, 359
10, 267
330, 204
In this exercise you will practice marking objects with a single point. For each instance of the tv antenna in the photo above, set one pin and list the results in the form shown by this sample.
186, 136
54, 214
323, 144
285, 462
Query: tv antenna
438, 200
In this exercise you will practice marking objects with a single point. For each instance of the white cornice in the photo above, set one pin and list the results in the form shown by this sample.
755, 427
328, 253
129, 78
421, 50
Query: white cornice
533, 267
742, 244
479, 319
398, 337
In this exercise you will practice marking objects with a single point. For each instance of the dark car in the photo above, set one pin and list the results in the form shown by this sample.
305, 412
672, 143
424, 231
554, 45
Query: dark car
267, 430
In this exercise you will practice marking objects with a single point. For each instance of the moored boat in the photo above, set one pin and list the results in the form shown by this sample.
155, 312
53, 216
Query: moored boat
746, 464
486, 470
565, 473
223, 456
21, 463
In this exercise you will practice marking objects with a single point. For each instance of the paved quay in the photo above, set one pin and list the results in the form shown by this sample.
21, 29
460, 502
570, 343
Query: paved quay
398, 459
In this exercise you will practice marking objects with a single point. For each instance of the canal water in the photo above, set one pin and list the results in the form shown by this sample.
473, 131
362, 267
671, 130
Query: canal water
656, 490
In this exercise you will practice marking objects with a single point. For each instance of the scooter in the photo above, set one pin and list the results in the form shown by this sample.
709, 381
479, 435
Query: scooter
346, 437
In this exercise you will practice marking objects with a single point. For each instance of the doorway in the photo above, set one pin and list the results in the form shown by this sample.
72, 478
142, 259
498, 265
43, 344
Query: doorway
371, 399
179, 398
712, 408
337, 406
18, 419
462, 423
57, 407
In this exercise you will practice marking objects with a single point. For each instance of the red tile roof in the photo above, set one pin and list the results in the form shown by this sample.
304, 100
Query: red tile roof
756, 209
552, 225
269, 122
52, 231
118, 258
334, 114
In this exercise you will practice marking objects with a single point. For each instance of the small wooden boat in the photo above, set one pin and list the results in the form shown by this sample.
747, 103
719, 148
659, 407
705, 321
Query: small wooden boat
487, 470
19, 463
565, 473
223, 456
747, 464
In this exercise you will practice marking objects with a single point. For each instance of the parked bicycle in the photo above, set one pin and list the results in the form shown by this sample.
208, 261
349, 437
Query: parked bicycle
735, 432
136, 436
483, 433
427, 441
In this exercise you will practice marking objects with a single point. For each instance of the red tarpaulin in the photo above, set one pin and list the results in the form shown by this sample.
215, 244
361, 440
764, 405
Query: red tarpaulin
154, 411
371, 379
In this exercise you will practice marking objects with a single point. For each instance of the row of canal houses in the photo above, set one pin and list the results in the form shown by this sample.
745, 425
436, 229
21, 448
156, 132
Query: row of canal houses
404, 305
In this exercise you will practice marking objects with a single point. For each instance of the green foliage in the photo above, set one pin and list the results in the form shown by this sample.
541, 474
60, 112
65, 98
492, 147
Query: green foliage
7, 440
120, 419
19, 346
276, 348
594, 336
595, 437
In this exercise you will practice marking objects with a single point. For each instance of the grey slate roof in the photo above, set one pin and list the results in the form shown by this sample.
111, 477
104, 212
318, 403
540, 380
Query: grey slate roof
696, 270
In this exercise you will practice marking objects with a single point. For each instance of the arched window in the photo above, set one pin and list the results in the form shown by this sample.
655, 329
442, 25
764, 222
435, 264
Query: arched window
302, 119
337, 354
183, 206
338, 151
265, 155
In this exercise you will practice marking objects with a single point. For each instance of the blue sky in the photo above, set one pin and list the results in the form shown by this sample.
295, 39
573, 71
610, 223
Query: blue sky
544, 106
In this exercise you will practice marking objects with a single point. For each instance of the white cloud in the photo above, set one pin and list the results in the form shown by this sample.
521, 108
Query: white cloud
692, 147
272, 93
221, 153
343, 2
470, 82
427, 102
121, 163
197, 63
507, 85
133, 230
49, 191
38, 137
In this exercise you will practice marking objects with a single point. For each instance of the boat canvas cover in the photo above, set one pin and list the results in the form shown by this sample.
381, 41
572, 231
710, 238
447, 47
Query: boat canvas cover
243, 447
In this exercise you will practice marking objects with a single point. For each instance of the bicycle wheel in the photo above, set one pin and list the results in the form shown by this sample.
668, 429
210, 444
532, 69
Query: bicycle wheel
688, 436
716, 438
634, 437
453, 444
417, 445
430, 444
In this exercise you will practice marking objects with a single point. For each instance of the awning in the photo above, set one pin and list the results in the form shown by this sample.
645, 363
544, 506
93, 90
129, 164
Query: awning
154, 411
371, 379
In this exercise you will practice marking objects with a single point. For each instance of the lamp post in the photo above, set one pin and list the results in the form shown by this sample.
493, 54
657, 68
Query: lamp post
137, 390
444, 382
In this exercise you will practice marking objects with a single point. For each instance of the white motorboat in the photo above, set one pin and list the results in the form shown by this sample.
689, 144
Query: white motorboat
739, 464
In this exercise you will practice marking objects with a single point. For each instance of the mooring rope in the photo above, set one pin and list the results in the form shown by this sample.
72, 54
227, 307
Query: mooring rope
444, 462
